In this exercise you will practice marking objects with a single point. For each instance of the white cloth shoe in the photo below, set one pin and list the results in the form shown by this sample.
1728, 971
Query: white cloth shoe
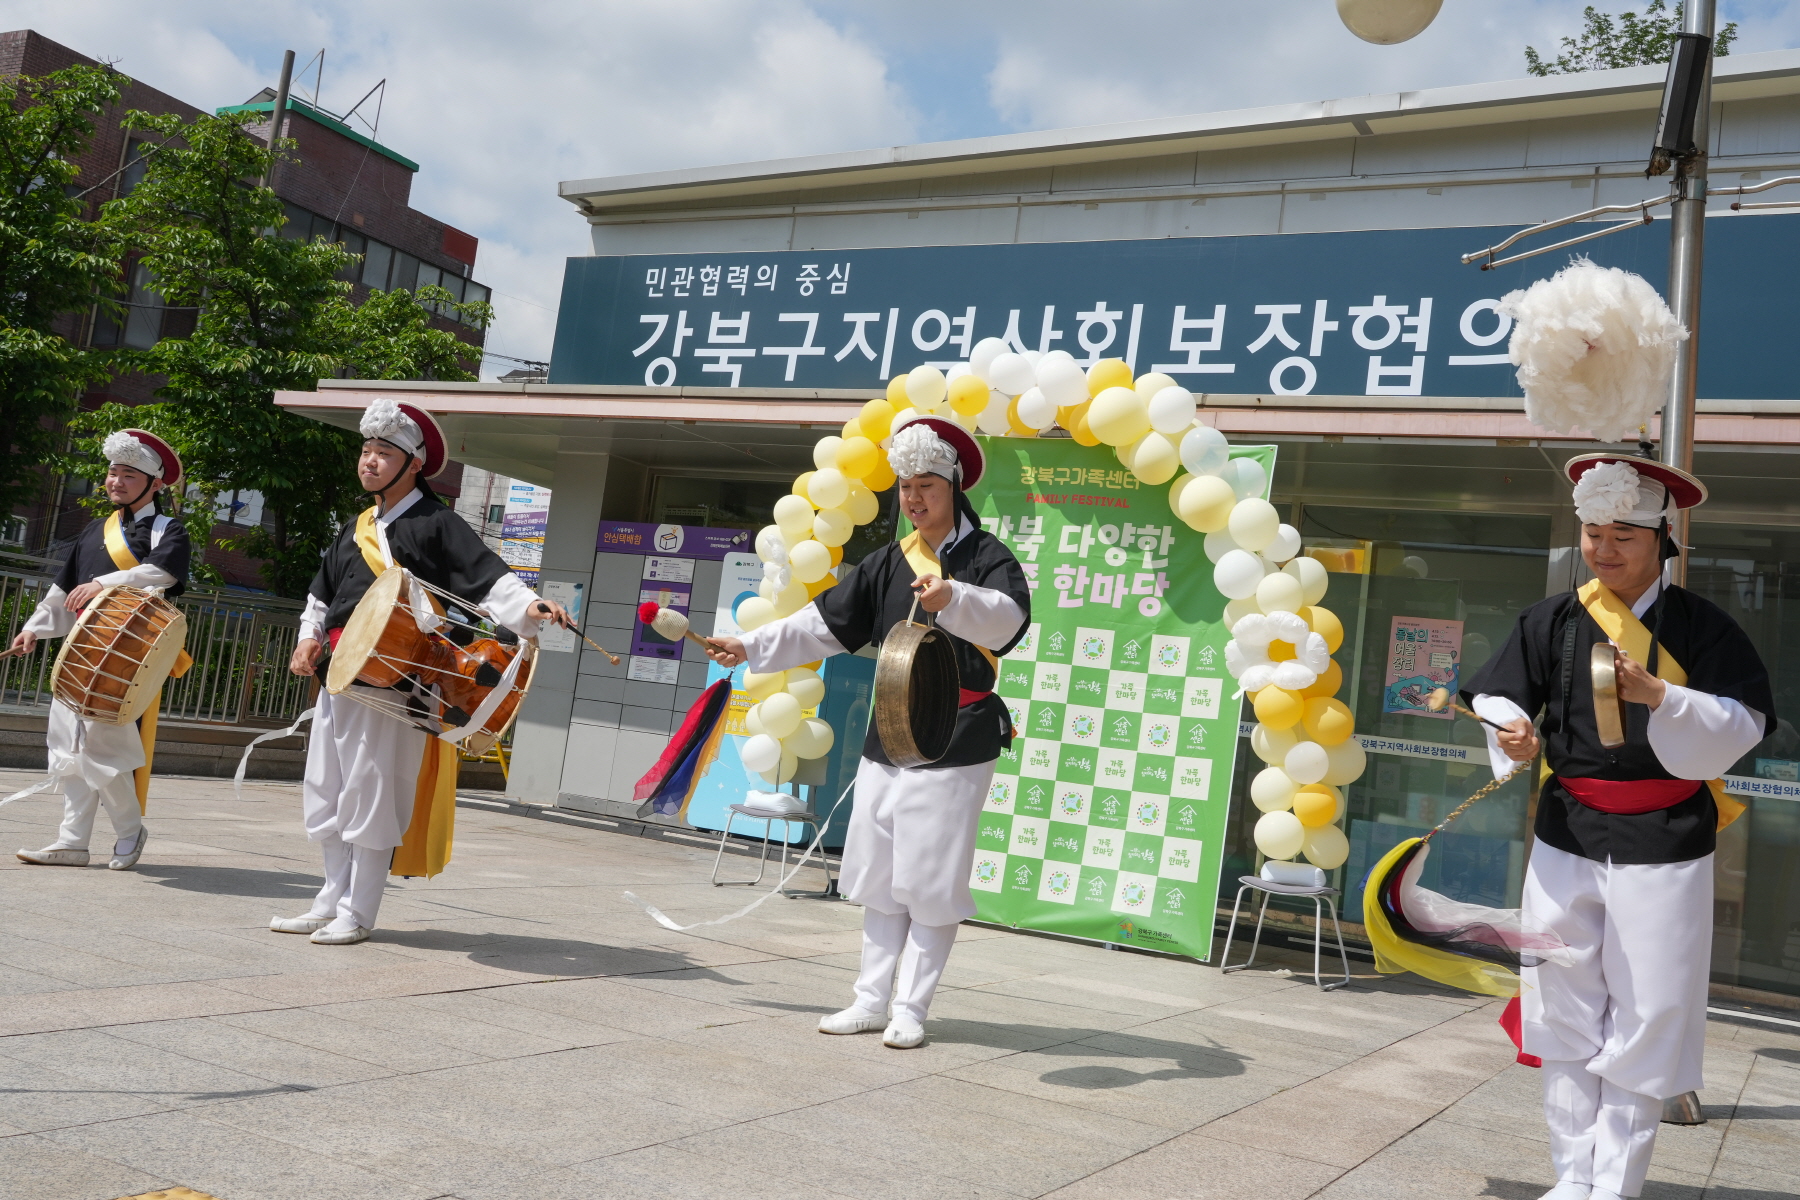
55, 856
307, 924
903, 1035
347, 937
1569, 1190
125, 859
852, 1020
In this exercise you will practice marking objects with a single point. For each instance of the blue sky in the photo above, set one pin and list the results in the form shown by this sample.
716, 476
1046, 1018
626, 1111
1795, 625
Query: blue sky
500, 102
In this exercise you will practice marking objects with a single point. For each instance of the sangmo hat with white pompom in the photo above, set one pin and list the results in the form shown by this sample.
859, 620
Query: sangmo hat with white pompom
1624, 489
410, 428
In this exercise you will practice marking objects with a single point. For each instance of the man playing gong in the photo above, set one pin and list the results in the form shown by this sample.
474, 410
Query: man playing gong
1622, 867
136, 546
367, 771
911, 841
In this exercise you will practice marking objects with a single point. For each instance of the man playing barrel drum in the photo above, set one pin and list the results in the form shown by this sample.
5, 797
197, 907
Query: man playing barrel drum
134, 547
367, 771
911, 841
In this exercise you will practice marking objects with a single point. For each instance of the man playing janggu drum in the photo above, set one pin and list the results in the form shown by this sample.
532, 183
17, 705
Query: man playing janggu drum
139, 547
911, 842
366, 770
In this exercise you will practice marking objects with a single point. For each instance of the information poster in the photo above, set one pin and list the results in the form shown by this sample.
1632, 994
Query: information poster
1106, 818
666, 554
1423, 655
522, 529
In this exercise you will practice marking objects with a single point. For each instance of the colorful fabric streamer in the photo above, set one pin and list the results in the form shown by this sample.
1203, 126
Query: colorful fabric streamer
667, 787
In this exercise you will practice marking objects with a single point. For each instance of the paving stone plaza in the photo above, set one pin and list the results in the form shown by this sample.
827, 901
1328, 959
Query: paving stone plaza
518, 1029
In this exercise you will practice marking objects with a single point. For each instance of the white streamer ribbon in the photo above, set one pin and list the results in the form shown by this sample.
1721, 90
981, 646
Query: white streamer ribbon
237, 781
55, 778
656, 914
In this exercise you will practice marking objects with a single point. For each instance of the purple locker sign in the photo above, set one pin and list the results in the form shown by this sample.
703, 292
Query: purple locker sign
669, 553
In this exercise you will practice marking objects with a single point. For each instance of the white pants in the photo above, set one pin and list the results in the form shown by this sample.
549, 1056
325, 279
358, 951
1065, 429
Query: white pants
354, 878
919, 952
95, 763
362, 767
911, 841
1600, 1134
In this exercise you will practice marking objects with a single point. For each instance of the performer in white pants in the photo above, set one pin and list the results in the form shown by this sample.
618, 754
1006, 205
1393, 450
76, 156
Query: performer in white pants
365, 769
911, 841
1622, 867
134, 547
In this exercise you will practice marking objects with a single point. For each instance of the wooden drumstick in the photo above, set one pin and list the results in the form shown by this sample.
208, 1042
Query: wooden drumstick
1440, 700
610, 656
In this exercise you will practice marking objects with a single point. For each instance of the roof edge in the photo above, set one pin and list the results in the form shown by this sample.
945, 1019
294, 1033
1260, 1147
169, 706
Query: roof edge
327, 120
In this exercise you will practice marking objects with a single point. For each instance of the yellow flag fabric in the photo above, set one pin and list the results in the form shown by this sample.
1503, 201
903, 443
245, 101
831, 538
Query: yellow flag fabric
924, 561
120, 552
426, 849
116, 548
1393, 955
1631, 635
368, 543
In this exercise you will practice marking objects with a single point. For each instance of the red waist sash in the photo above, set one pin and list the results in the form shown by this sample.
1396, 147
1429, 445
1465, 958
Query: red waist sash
964, 697
1631, 796
332, 636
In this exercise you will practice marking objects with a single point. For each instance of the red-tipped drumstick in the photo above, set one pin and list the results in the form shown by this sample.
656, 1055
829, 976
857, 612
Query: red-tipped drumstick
669, 623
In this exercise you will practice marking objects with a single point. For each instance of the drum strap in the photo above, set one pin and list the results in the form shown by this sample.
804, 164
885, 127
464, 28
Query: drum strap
1629, 634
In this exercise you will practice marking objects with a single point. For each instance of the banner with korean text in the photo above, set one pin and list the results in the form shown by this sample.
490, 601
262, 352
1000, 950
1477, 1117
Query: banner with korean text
1106, 818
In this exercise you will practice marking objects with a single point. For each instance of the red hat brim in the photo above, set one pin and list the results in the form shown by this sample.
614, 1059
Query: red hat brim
968, 450
171, 461
1684, 489
436, 454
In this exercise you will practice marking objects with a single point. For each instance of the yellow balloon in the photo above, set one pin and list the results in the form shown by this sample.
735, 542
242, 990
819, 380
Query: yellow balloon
1108, 373
861, 504
1278, 651
1324, 622
833, 526
876, 417
1278, 708
1147, 385
1014, 426
968, 394
1081, 433
754, 613
881, 478
761, 686
1206, 503
858, 456
791, 599
896, 394
819, 585
780, 714
802, 482
852, 429
1316, 805
828, 488
793, 514
1328, 683
809, 561
805, 686
1327, 721
837, 554
1156, 459
825, 451
1068, 414
1118, 416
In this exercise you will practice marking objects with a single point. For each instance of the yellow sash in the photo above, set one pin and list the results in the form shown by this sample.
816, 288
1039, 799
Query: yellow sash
426, 849
1632, 636
924, 561
120, 552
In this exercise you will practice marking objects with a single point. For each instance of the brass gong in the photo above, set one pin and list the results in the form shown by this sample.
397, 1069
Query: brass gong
916, 691
1609, 710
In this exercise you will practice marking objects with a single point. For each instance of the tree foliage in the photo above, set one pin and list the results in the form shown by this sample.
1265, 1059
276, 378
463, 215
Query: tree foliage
1633, 41
273, 315
52, 264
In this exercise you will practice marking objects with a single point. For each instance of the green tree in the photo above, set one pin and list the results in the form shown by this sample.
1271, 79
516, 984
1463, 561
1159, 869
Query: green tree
52, 265
273, 315
1635, 41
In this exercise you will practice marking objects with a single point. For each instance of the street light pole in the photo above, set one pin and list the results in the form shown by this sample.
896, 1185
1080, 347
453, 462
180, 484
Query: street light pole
1686, 243
278, 112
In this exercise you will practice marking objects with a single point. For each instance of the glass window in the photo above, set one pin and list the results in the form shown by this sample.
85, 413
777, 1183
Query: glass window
406, 273
136, 162
323, 227
356, 244
299, 222
143, 320
453, 284
476, 292
429, 276
496, 513
377, 258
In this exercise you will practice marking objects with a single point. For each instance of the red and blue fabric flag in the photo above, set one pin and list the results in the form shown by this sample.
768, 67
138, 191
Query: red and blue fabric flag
667, 787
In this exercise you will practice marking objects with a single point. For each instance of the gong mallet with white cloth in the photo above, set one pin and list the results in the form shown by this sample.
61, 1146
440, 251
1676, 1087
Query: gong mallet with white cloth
670, 624
1440, 699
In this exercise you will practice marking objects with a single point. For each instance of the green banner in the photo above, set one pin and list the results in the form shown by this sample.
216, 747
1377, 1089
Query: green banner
1106, 819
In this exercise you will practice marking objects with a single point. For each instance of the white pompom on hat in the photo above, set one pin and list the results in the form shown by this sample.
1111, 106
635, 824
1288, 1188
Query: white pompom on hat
931, 445
142, 451
410, 428
1616, 489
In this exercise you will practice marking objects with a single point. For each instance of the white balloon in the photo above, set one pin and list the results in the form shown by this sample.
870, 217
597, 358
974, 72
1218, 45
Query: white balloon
754, 614
1285, 545
804, 685
1012, 374
1237, 574
1278, 593
1036, 409
1204, 450
1314, 578
1172, 411
1054, 356
1279, 835
769, 545
982, 357
825, 452
1307, 762
1254, 523
1253, 630
1311, 653
957, 371
1272, 791
828, 488
761, 753
1218, 544
1347, 763
1237, 610
794, 514
1256, 678
781, 714
1326, 847
753, 720
1293, 675
790, 600
810, 739
1061, 380
1246, 477
1272, 745
926, 387
1288, 627
1240, 658
992, 419
780, 575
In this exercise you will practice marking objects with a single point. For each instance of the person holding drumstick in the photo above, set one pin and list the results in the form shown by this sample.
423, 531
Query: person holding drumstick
365, 770
136, 546
911, 842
